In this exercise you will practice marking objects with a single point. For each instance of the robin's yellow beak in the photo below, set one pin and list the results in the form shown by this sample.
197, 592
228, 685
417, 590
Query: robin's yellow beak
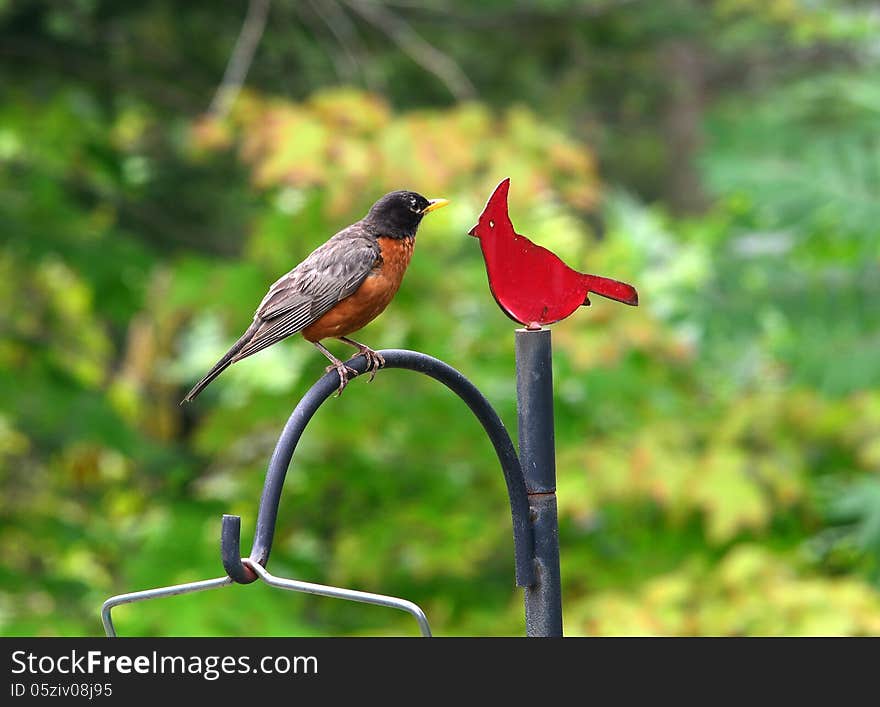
435, 204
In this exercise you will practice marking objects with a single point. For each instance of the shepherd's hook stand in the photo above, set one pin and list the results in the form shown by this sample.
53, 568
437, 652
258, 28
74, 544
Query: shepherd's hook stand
534, 561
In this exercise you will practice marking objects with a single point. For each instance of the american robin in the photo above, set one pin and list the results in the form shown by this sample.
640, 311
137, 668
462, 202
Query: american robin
530, 283
339, 288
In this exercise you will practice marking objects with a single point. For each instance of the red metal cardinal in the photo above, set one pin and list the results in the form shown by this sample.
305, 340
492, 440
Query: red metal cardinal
530, 283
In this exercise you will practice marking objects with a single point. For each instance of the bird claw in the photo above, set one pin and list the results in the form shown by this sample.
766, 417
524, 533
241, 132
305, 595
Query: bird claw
343, 371
375, 361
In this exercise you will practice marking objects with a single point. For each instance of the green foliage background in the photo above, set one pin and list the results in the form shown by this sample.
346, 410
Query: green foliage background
718, 447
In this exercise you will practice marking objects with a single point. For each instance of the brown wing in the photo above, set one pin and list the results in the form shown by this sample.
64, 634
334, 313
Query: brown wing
331, 273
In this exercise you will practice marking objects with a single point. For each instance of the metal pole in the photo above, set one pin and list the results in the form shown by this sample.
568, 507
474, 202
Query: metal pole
534, 394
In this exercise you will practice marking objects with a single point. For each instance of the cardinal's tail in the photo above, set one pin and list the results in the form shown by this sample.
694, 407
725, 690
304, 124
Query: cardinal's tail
612, 289
222, 364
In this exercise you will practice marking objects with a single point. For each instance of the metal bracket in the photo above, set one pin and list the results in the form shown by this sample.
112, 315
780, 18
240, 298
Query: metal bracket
292, 585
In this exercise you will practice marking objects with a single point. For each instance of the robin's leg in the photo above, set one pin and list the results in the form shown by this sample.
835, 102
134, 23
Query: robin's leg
375, 361
337, 366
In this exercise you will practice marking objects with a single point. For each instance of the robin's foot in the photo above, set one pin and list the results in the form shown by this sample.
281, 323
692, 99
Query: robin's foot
344, 372
375, 360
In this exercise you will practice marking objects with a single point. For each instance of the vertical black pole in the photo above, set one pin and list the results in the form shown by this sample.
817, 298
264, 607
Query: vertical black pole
537, 454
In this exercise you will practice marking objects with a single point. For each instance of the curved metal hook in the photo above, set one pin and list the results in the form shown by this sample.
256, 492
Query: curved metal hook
523, 533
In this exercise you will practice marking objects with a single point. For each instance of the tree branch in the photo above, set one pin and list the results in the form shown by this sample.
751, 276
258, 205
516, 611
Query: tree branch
241, 58
312, 15
420, 51
348, 35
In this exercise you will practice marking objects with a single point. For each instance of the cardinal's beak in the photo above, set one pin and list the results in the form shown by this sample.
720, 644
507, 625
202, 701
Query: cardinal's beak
435, 204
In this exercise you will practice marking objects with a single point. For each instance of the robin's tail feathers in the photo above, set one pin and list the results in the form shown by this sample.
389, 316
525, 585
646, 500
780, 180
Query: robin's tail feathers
612, 289
221, 365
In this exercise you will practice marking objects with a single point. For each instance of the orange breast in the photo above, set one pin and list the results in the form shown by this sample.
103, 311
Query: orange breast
371, 298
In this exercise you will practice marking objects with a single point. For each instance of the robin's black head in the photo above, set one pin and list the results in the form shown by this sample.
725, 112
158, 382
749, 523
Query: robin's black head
399, 213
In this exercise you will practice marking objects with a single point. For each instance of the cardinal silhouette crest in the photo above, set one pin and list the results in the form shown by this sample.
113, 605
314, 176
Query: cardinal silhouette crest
530, 283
